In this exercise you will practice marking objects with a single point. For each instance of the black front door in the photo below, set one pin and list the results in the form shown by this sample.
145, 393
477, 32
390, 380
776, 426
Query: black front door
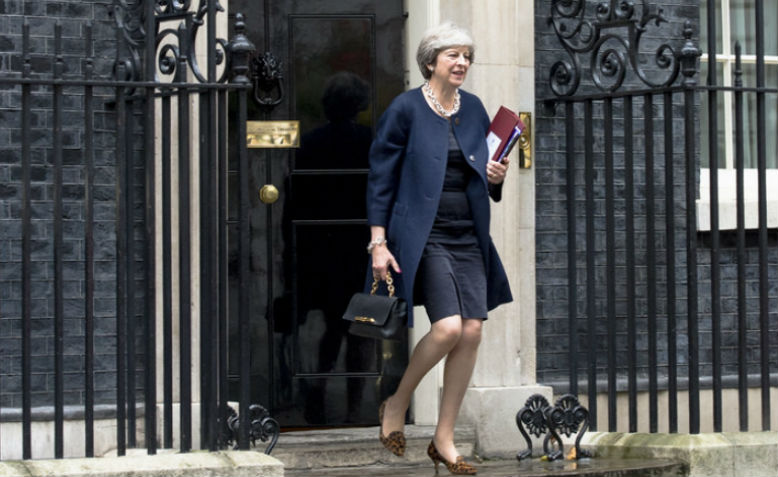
341, 64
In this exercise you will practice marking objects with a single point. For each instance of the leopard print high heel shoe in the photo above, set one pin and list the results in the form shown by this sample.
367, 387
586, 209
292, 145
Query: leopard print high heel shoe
395, 441
460, 467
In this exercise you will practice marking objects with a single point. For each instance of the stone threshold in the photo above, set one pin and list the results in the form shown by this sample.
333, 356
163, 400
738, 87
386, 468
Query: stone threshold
513, 468
167, 464
359, 446
724, 454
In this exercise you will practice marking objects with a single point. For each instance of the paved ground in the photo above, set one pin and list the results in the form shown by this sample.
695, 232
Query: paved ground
528, 468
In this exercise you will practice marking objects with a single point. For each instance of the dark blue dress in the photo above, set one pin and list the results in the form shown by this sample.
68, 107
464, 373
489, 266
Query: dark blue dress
452, 278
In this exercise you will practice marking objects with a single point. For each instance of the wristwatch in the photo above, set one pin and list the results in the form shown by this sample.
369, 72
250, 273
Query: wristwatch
374, 243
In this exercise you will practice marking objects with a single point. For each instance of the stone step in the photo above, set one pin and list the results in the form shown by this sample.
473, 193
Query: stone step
358, 447
591, 467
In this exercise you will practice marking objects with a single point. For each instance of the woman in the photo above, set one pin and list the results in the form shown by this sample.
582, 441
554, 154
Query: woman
428, 210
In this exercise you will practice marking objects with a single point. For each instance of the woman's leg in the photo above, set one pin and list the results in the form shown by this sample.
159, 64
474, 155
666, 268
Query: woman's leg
442, 337
456, 377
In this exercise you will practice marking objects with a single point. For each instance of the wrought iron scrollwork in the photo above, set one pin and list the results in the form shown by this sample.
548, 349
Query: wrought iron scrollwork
174, 45
220, 46
613, 42
172, 6
262, 427
177, 26
538, 417
129, 17
533, 417
566, 417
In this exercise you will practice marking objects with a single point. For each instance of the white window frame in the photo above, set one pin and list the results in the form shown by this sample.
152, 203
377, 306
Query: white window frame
727, 175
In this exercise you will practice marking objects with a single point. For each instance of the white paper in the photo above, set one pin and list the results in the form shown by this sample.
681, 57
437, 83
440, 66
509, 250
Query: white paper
492, 142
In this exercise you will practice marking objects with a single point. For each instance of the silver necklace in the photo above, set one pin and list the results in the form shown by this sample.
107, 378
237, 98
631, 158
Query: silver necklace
439, 107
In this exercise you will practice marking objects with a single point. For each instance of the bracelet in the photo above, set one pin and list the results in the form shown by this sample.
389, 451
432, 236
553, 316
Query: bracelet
374, 243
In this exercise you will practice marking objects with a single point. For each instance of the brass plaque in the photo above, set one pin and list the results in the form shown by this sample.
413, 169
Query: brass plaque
272, 134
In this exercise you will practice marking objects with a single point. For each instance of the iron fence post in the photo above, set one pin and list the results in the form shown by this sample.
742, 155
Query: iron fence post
240, 50
689, 66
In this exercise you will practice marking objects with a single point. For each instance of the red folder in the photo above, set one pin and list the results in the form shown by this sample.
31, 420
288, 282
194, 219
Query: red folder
503, 133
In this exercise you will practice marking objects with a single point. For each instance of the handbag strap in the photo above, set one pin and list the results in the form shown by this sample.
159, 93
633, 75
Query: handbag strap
389, 284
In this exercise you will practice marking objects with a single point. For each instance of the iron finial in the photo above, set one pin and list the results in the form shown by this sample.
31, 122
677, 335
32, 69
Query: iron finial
738, 65
689, 55
241, 49
240, 25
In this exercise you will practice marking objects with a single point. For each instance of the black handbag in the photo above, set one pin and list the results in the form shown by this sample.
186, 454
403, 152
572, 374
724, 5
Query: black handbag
377, 316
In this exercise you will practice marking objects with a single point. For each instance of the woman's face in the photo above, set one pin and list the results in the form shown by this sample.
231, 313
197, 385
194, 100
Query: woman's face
451, 66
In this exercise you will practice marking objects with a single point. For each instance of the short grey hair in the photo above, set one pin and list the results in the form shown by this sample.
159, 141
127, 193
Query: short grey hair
439, 38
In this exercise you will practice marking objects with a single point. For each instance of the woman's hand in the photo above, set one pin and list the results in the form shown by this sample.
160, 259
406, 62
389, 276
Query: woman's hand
382, 259
495, 171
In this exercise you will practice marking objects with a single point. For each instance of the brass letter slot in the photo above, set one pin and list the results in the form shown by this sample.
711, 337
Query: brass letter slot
364, 319
272, 134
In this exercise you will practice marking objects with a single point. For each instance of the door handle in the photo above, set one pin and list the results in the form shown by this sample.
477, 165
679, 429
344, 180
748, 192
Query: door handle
525, 141
268, 194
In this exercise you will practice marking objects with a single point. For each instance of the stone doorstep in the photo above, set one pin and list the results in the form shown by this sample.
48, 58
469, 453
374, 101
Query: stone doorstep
726, 454
193, 464
350, 447
512, 468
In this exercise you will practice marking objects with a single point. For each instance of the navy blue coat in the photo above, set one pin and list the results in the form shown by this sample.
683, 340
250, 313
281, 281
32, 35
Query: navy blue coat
407, 167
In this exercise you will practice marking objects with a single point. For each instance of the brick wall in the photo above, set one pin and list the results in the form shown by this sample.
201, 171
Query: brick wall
551, 223
42, 16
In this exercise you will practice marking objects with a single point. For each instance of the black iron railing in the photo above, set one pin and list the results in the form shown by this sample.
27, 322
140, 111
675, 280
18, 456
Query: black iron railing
636, 262
116, 170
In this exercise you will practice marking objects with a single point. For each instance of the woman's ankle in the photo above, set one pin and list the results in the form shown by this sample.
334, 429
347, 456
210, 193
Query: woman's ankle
442, 439
397, 403
446, 448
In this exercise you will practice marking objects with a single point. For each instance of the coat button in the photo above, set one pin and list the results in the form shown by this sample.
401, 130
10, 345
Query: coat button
456, 121
472, 158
